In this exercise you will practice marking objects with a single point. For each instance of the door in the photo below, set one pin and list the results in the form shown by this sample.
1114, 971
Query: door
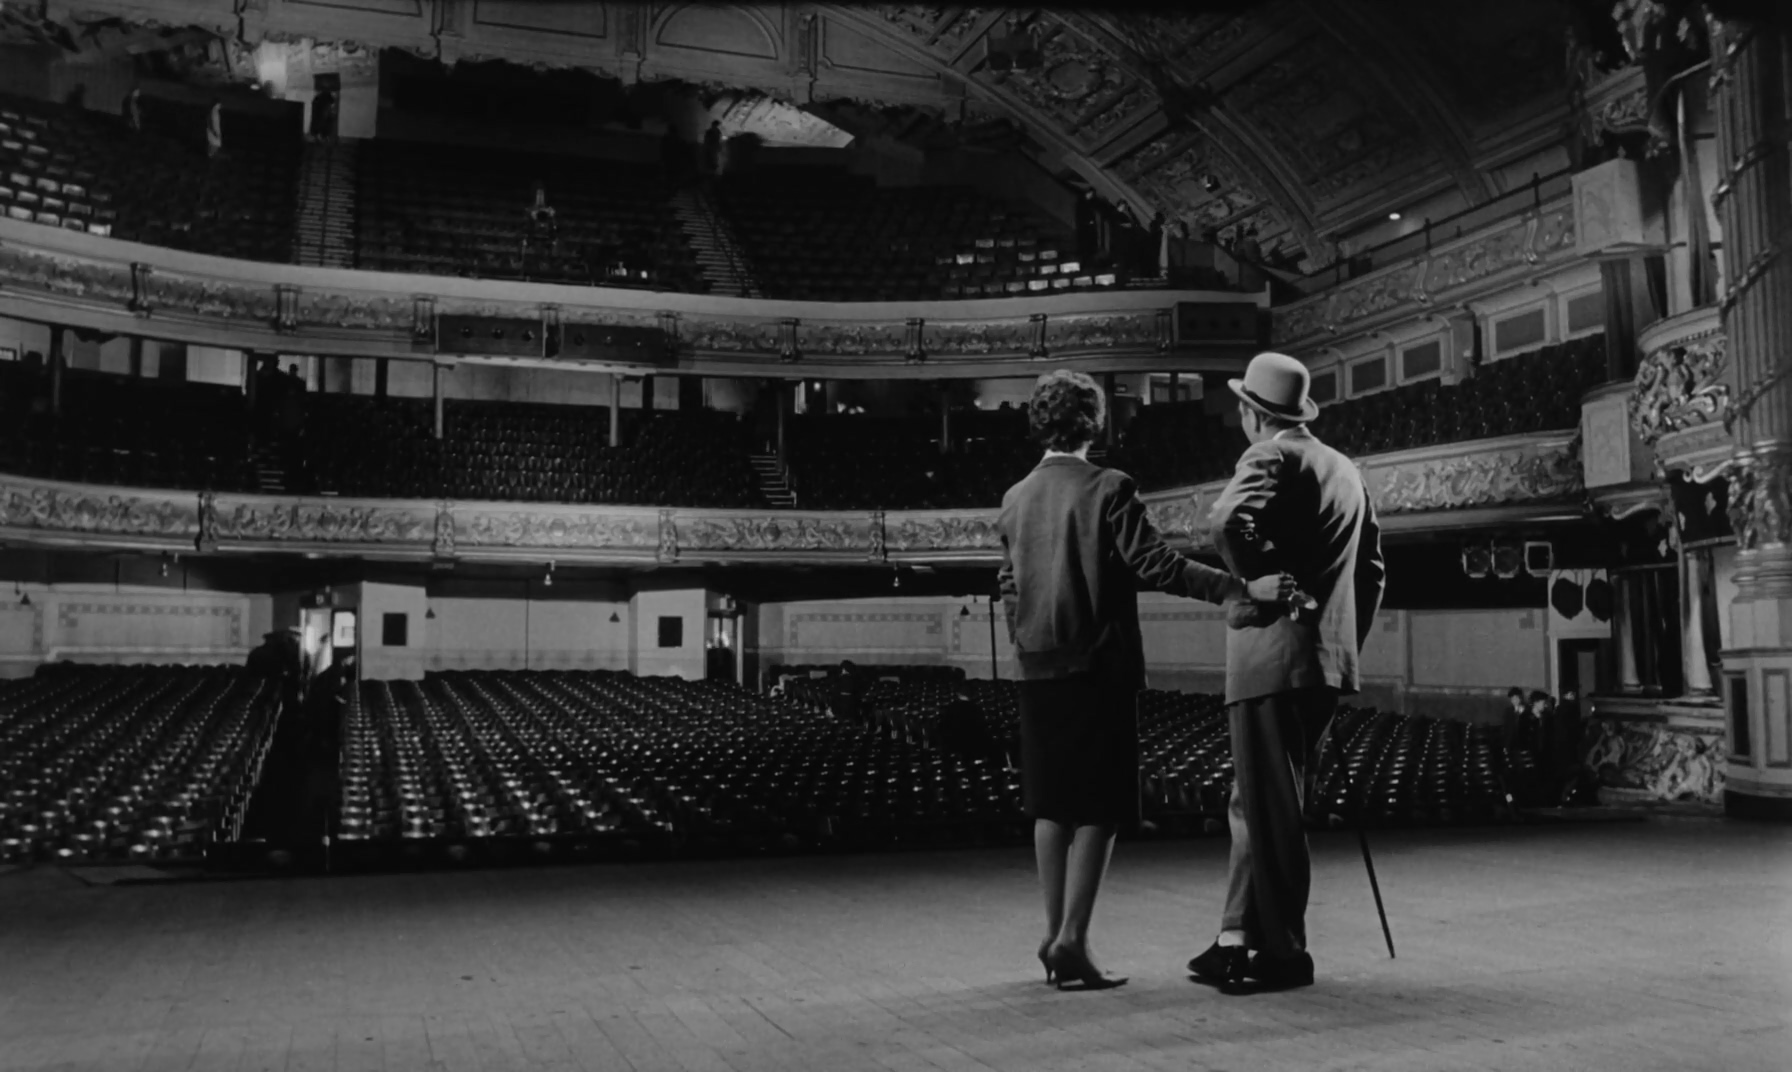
1582, 665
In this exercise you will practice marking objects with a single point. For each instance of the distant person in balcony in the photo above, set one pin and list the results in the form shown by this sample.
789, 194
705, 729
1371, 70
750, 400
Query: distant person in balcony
1077, 547
323, 115
1248, 249
712, 148
133, 110
214, 129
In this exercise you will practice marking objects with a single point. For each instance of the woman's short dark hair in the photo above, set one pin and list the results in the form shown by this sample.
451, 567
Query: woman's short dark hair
1067, 410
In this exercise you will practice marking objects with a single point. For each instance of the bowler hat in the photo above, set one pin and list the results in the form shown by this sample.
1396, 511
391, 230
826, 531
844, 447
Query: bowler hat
1276, 384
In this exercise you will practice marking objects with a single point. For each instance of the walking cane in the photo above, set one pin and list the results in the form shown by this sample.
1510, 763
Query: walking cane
1362, 839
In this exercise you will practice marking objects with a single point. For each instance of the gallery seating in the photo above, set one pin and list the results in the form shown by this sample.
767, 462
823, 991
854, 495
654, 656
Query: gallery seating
146, 763
449, 210
63, 166
358, 446
855, 462
119, 430
830, 236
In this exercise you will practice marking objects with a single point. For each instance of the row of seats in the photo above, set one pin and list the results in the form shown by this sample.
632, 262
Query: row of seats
172, 434
534, 754
516, 451
1195, 442
442, 210
67, 167
117, 430
448, 210
129, 763
839, 237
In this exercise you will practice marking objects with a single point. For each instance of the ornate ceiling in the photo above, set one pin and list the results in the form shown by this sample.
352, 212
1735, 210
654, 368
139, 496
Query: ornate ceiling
1305, 118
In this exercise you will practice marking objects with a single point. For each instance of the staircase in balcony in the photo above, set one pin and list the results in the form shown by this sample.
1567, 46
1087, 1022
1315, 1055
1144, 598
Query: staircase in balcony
325, 221
772, 482
712, 240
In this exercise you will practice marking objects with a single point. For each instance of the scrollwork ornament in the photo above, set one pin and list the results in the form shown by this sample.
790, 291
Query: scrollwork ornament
207, 539
443, 547
1678, 387
1761, 500
668, 548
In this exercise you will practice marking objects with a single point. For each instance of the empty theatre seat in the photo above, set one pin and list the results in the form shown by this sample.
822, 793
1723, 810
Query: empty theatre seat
825, 235
471, 755
120, 430
519, 451
707, 766
129, 763
449, 210
68, 167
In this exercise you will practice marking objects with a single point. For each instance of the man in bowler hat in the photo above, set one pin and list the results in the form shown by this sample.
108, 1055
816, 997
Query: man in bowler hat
1296, 505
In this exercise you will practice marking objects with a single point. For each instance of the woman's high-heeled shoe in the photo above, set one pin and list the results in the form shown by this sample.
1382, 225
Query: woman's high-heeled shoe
1051, 973
1070, 965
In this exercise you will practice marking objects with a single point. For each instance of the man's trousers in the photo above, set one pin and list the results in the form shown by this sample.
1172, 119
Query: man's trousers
1266, 893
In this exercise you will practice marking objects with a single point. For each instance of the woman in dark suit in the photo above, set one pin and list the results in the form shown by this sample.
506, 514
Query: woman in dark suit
1076, 548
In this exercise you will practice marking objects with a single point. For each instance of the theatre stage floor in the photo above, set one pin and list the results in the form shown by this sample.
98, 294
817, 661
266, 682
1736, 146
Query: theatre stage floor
1664, 944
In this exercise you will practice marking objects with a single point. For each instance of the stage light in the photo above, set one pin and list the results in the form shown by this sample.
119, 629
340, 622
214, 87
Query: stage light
1393, 215
164, 569
547, 580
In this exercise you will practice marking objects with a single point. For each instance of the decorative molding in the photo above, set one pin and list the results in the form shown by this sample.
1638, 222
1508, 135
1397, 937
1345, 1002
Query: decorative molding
1664, 762
1455, 272
68, 615
49, 507
929, 620
102, 283
1509, 471
1761, 497
908, 533
1682, 380
1515, 470
777, 533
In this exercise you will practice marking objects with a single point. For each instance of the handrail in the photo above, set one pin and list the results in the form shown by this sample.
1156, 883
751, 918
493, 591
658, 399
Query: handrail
1540, 189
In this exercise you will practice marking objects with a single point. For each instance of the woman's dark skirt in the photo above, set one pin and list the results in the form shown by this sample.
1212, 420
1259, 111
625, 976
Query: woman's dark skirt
1079, 751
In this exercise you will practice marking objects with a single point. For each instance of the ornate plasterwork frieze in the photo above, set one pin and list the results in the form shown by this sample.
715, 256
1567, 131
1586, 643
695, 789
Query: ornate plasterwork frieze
1514, 470
320, 311
711, 534
263, 519
75, 509
620, 529
1761, 498
908, 532
1681, 398
1456, 271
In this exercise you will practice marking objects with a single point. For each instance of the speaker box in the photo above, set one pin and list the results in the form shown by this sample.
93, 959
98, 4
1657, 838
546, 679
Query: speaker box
490, 335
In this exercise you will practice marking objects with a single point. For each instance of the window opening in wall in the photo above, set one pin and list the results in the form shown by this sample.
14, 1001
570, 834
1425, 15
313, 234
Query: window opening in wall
671, 631
395, 630
1426, 359
1324, 386
1518, 332
1739, 733
1368, 376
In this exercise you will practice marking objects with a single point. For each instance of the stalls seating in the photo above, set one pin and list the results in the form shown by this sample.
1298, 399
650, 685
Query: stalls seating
105, 763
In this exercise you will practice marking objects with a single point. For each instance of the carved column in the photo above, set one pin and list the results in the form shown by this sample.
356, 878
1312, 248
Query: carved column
945, 400
435, 380
58, 360
1624, 631
615, 409
1751, 87
1695, 573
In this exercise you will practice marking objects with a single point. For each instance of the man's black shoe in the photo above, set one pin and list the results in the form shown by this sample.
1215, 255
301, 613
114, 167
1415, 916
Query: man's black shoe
1221, 965
1280, 973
